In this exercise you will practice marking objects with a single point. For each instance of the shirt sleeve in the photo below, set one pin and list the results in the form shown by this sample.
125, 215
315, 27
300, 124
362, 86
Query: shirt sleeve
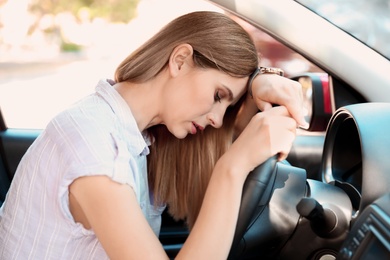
93, 146
90, 145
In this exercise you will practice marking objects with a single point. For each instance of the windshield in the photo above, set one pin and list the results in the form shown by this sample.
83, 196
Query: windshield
366, 20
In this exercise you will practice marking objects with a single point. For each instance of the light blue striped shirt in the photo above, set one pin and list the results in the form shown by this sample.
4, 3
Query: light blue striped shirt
97, 136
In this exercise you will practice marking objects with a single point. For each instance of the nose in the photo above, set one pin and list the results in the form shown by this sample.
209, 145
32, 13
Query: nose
215, 119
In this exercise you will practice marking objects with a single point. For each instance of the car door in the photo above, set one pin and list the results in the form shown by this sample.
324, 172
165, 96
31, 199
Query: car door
13, 145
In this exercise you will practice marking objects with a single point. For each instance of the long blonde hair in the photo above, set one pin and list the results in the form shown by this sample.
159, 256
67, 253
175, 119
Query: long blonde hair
179, 170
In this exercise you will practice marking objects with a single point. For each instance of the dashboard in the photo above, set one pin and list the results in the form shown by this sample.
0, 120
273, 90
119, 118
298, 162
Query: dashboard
356, 150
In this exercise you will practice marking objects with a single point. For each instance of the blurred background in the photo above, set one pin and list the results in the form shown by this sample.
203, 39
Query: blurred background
53, 52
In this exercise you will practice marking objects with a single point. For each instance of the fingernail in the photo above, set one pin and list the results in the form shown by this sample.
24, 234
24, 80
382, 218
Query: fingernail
305, 125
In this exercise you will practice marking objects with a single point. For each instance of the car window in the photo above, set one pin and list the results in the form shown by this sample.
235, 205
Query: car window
46, 69
371, 26
275, 54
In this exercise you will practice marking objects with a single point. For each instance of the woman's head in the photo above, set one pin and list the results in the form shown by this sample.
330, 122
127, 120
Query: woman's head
219, 54
218, 42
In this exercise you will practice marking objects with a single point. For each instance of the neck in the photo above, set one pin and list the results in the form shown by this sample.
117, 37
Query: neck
144, 100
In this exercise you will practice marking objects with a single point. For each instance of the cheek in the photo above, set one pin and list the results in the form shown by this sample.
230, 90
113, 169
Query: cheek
193, 98
196, 102
181, 108
190, 110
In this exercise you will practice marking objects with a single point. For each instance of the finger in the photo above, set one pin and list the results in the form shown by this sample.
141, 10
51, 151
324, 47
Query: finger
297, 112
278, 111
266, 106
289, 94
285, 141
294, 104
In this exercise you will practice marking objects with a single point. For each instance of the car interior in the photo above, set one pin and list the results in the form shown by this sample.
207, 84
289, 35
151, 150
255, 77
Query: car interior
330, 199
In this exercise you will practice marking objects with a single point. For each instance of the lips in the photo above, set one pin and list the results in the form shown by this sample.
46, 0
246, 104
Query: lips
196, 127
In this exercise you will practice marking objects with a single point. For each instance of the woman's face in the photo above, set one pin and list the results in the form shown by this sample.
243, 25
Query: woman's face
199, 98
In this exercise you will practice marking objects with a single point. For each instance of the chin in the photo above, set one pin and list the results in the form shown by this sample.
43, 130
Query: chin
178, 134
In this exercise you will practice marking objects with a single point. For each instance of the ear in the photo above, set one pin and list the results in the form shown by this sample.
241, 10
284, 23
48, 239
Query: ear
180, 56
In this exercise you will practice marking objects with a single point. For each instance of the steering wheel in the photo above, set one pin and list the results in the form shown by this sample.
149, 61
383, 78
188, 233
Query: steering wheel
254, 189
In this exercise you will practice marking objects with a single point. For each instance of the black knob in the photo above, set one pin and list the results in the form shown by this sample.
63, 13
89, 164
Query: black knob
322, 221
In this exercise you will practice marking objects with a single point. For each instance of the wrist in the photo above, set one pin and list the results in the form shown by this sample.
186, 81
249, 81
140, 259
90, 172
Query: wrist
230, 169
262, 70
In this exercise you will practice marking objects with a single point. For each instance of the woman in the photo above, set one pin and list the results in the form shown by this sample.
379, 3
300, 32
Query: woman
83, 191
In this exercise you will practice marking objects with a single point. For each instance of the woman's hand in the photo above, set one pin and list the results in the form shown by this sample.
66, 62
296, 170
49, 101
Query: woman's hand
268, 133
269, 89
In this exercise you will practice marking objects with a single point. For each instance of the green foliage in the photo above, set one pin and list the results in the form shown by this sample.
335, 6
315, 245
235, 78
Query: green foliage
70, 47
112, 10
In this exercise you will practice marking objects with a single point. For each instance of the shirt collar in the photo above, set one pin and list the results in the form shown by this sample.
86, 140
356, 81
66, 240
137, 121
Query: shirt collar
137, 142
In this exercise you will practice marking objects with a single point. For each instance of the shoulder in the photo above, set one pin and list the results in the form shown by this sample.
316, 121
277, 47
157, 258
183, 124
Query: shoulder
89, 116
84, 129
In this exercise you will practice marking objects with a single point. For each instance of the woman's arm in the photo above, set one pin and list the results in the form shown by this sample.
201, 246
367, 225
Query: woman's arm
112, 210
269, 89
267, 134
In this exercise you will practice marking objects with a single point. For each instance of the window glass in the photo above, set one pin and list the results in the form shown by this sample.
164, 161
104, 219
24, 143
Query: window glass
371, 27
275, 54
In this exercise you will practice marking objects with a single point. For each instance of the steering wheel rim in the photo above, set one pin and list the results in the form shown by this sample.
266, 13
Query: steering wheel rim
254, 188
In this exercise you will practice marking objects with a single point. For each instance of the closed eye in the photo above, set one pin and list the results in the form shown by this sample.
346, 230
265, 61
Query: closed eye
217, 97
